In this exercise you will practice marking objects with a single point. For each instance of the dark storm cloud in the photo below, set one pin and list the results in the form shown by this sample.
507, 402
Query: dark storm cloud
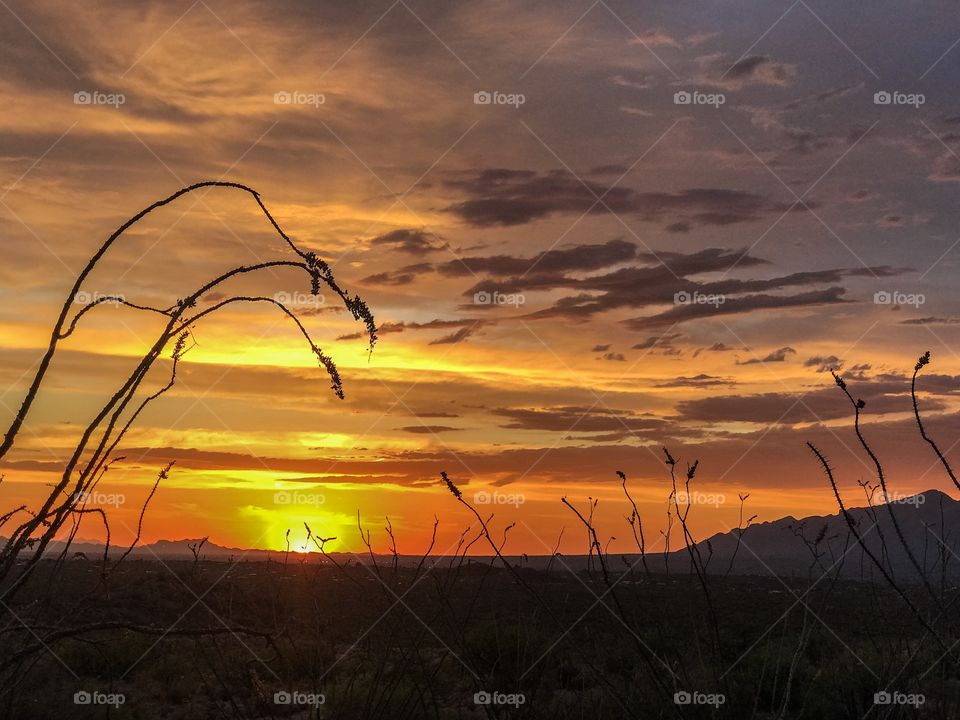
399, 327
701, 380
414, 242
787, 409
458, 336
428, 429
657, 341
738, 306
404, 276
758, 66
578, 257
775, 356
823, 363
716, 347
668, 277
579, 419
502, 197
937, 384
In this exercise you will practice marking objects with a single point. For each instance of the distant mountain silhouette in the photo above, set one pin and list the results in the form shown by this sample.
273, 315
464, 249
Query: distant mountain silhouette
929, 522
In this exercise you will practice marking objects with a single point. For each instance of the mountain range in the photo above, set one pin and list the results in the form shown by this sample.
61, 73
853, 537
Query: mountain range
928, 522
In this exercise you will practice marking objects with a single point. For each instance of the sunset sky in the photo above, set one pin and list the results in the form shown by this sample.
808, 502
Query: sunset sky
813, 225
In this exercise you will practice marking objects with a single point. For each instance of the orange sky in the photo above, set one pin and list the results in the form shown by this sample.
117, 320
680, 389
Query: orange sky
587, 210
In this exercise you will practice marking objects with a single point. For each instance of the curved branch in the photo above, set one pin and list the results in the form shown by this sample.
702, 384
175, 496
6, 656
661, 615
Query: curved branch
318, 268
325, 360
925, 360
852, 525
858, 405
102, 301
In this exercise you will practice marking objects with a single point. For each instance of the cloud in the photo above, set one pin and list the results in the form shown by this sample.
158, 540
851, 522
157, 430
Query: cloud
775, 356
457, 337
502, 197
615, 356
575, 258
579, 418
657, 341
655, 37
788, 409
701, 380
669, 275
750, 70
428, 429
600, 348
716, 347
932, 320
946, 168
823, 363
737, 306
399, 327
699, 38
404, 276
414, 242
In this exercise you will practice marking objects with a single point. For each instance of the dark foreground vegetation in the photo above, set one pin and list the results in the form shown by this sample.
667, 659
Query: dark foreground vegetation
379, 642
